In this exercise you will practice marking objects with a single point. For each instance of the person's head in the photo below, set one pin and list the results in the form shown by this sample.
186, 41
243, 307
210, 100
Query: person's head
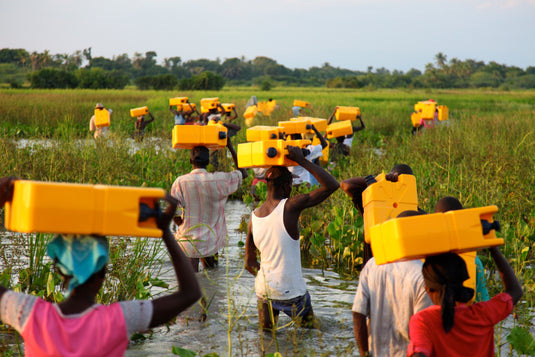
447, 203
402, 169
410, 213
444, 275
81, 259
200, 156
279, 179
99, 106
140, 117
296, 136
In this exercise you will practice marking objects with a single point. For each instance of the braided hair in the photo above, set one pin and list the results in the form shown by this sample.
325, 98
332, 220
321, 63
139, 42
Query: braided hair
446, 273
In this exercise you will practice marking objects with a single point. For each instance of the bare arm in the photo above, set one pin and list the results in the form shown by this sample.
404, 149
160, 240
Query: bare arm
354, 187
230, 147
509, 279
359, 128
151, 118
332, 116
360, 330
6, 194
167, 307
323, 142
328, 185
251, 262
173, 110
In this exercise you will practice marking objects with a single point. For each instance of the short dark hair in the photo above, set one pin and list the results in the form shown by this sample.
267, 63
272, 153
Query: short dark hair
402, 169
200, 155
448, 203
278, 176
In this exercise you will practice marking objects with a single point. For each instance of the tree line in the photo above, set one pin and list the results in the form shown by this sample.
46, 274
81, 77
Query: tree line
82, 70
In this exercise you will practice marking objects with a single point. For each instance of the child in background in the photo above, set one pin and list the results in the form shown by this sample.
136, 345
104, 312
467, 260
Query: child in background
78, 326
449, 327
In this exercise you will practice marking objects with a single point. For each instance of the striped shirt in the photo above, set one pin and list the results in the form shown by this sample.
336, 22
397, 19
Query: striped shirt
202, 196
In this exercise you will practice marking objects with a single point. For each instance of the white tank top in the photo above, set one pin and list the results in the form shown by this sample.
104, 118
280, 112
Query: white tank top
280, 276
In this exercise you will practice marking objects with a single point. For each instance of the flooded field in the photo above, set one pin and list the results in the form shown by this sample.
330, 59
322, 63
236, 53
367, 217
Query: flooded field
231, 328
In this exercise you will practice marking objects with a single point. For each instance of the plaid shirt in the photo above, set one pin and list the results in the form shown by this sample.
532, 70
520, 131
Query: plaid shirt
202, 196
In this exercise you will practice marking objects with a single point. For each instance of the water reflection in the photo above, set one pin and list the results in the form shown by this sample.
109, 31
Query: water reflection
232, 324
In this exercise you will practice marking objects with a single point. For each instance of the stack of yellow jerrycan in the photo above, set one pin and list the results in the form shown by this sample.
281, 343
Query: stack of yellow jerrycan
67, 208
416, 237
208, 104
324, 159
347, 113
264, 132
213, 135
384, 200
188, 107
178, 102
102, 117
426, 110
136, 112
267, 153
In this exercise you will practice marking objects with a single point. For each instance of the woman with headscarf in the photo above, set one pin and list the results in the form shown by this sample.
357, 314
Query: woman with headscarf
450, 327
78, 326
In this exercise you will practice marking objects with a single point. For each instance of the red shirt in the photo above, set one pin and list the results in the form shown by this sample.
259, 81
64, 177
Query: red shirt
472, 333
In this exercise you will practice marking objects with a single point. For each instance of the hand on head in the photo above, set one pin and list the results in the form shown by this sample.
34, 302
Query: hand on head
295, 153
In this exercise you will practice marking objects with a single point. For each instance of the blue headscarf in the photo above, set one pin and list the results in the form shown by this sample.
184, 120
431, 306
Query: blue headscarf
78, 256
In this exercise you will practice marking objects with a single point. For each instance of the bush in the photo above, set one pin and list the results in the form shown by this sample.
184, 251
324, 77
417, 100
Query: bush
98, 78
204, 81
50, 78
160, 82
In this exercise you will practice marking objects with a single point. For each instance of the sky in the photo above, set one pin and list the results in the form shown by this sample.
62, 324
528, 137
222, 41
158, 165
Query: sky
351, 34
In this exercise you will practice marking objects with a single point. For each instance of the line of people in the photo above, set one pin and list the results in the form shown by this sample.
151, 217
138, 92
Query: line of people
412, 308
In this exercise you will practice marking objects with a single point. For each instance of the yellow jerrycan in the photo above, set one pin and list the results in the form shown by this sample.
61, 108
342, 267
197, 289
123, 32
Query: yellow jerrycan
384, 199
294, 127
347, 113
416, 237
264, 132
189, 136
267, 153
51, 207
426, 109
319, 124
337, 129
102, 117
135, 112
209, 103
301, 103
178, 101
443, 112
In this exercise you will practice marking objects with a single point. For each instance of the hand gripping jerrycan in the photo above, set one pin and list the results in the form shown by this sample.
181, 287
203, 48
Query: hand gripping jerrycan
267, 153
189, 136
416, 237
135, 112
263, 132
102, 117
52, 207
384, 199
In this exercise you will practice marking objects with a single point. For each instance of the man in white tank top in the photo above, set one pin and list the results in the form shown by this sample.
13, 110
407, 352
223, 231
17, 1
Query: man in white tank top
273, 231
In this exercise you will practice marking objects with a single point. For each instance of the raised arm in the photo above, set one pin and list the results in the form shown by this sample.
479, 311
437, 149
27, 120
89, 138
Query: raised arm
167, 307
323, 142
230, 147
328, 184
332, 116
151, 118
6, 194
359, 128
510, 281
354, 187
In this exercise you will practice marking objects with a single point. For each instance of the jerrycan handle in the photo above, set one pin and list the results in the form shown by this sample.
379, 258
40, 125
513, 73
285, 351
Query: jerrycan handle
370, 179
145, 212
487, 227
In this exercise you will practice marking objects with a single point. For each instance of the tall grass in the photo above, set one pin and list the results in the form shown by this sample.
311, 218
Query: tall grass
484, 155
